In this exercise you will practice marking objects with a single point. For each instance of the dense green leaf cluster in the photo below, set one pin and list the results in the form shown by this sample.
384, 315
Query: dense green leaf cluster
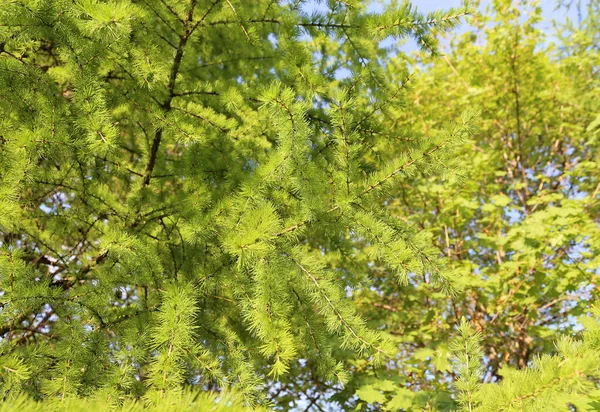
520, 228
271, 198
561, 381
175, 176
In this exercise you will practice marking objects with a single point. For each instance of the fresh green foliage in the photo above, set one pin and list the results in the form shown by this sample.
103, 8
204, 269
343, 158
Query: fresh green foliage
467, 351
225, 204
174, 178
171, 401
517, 218
552, 382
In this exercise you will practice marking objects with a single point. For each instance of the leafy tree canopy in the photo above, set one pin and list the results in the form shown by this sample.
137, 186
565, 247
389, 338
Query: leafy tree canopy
270, 198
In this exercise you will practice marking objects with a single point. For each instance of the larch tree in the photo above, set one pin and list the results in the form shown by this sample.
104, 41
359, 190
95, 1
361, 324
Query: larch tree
175, 177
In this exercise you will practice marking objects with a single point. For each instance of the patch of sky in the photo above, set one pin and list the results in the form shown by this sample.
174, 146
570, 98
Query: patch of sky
273, 39
55, 202
250, 165
514, 215
550, 13
349, 291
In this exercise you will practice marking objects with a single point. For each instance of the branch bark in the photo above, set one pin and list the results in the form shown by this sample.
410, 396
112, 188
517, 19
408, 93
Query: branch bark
188, 29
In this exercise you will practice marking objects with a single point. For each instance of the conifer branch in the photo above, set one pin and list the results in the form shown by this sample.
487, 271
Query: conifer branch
336, 311
157, 14
187, 32
241, 24
415, 23
308, 325
204, 119
403, 167
377, 107
203, 17
276, 21
541, 389
10, 326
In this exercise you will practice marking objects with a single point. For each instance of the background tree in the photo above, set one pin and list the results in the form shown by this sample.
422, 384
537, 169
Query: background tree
520, 225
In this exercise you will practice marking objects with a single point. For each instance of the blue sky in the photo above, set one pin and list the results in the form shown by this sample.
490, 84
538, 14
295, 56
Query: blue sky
549, 13
548, 7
